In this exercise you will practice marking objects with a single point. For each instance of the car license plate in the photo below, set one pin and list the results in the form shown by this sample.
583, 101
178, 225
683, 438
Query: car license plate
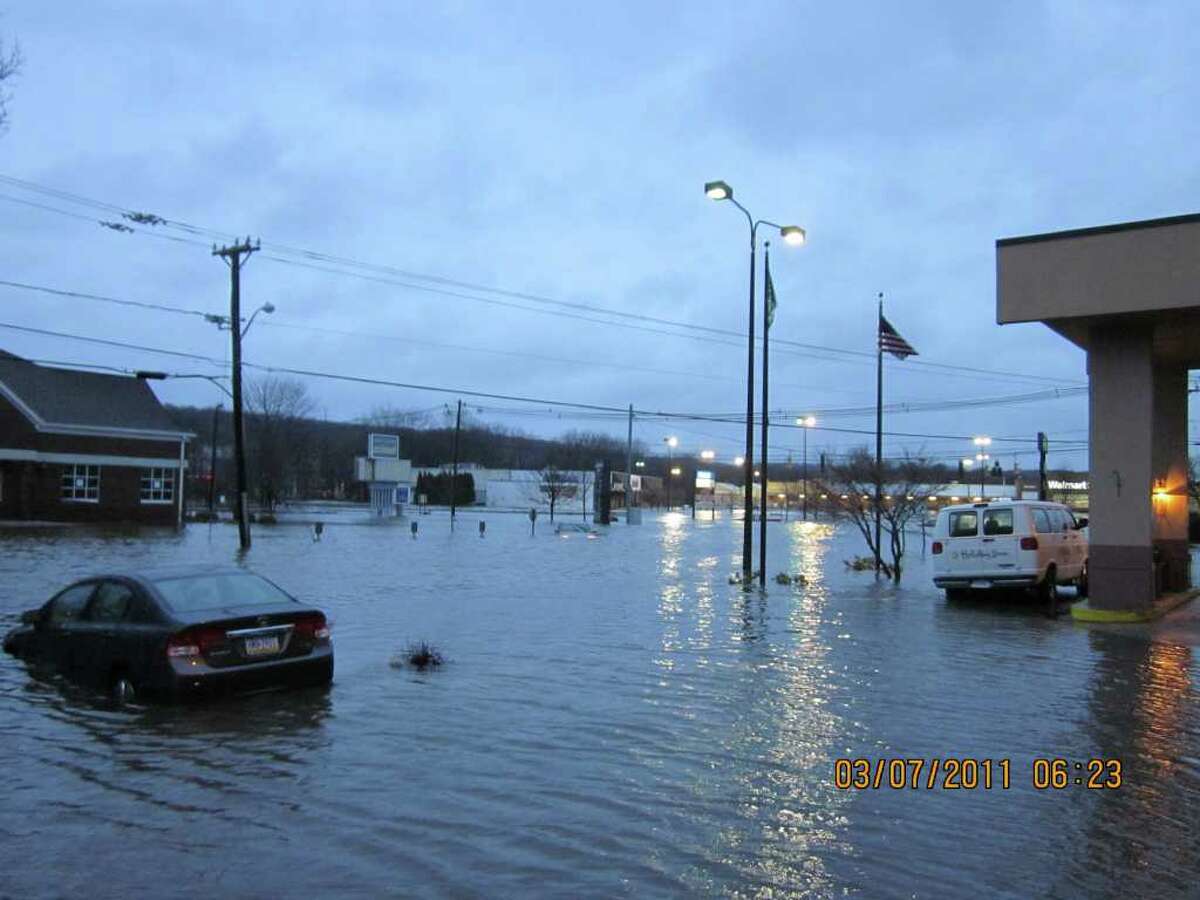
261, 646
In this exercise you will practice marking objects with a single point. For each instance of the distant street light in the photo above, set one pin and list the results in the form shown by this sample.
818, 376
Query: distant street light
806, 423
672, 442
739, 460
982, 459
792, 235
708, 455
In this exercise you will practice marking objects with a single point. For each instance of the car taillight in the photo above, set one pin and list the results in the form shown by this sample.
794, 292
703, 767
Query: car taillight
313, 627
937, 547
192, 642
1029, 543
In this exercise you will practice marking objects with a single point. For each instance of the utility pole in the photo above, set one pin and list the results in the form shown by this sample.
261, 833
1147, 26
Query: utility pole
454, 475
212, 465
233, 258
1043, 447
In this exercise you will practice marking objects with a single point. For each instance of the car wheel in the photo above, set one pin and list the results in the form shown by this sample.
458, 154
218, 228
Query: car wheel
122, 690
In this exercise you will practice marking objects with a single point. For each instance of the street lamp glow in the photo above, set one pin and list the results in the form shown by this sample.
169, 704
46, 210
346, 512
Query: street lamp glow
982, 456
672, 441
968, 462
708, 454
807, 421
675, 470
794, 235
983, 441
718, 190
739, 460
640, 464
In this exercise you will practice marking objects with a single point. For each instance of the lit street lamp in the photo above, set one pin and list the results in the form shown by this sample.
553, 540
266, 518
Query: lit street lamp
672, 442
982, 459
794, 236
807, 422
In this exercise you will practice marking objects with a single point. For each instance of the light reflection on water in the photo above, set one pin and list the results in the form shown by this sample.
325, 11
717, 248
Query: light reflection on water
616, 719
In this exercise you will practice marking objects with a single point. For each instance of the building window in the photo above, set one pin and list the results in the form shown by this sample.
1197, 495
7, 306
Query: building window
158, 485
81, 483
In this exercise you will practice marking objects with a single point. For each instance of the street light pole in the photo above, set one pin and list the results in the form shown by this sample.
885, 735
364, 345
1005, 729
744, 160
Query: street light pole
720, 190
671, 443
212, 465
981, 457
807, 422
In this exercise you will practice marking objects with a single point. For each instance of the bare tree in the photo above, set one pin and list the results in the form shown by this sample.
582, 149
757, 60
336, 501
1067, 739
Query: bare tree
851, 489
10, 65
280, 435
557, 484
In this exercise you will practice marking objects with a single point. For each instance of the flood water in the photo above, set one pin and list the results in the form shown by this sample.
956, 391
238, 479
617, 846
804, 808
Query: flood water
615, 719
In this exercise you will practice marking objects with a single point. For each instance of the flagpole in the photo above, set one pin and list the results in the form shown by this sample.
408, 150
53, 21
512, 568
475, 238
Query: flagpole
762, 525
878, 428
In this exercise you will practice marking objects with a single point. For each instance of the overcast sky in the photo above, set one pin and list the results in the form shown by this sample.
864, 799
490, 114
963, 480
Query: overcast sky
544, 149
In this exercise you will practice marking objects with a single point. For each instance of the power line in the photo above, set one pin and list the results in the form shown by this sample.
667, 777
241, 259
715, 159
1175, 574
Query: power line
560, 307
79, 295
645, 415
896, 406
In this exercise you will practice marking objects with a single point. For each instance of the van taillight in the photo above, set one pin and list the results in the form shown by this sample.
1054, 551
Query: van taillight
1029, 543
937, 547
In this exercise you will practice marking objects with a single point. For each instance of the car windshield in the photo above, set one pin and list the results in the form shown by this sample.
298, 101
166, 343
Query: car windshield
197, 592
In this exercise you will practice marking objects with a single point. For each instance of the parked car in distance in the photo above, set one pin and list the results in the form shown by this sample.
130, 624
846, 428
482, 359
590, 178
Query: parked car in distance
1009, 544
177, 633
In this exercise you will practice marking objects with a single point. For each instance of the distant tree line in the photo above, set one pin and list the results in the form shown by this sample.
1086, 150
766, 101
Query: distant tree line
292, 452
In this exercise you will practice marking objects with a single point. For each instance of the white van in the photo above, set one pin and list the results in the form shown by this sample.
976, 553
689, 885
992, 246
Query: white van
1009, 543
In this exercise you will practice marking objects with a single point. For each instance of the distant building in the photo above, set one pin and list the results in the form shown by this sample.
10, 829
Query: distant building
389, 478
523, 488
85, 447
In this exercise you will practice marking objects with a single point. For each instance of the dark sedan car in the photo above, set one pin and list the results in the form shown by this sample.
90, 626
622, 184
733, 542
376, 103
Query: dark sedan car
177, 633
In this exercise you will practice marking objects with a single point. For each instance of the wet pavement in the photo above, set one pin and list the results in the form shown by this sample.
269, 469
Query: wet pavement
615, 719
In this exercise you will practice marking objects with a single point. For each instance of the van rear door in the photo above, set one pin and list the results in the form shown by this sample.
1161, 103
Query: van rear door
998, 541
962, 543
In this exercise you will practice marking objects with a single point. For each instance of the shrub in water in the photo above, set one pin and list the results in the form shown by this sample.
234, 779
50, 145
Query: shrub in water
420, 655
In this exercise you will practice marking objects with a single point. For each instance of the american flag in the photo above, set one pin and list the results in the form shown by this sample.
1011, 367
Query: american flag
891, 342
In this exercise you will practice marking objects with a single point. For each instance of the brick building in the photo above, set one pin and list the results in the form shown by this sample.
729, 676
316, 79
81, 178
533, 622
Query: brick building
85, 447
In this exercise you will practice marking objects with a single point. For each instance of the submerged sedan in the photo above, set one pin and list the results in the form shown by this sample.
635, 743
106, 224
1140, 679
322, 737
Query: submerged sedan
177, 633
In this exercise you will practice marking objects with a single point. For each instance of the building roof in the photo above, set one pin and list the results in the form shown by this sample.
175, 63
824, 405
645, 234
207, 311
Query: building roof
68, 400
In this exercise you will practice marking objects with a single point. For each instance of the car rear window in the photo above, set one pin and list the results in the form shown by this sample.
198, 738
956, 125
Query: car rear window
964, 524
197, 592
998, 521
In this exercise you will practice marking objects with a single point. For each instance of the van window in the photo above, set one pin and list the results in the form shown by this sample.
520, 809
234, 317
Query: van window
964, 524
1059, 520
1041, 521
998, 521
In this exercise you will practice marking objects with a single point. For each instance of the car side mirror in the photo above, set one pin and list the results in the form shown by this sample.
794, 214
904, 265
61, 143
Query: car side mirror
1080, 524
31, 617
